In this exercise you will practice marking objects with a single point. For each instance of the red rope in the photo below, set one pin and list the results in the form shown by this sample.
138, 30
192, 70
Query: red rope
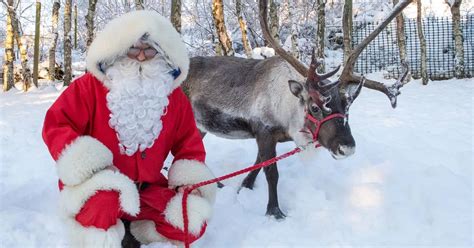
248, 169
221, 178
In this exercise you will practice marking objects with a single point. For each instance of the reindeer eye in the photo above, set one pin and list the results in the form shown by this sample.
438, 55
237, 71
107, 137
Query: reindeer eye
315, 109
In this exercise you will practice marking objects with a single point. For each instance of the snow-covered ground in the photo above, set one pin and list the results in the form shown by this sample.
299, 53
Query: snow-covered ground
408, 185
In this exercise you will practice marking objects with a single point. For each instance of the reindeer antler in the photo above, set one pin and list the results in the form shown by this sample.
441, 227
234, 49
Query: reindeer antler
310, 73
349, 77
300, 67
314, 77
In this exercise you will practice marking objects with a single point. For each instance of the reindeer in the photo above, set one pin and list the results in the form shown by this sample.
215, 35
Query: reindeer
274, 100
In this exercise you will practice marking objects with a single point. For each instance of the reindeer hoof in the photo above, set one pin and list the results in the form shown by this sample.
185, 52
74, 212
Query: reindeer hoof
276, 212
220, 185
248, 184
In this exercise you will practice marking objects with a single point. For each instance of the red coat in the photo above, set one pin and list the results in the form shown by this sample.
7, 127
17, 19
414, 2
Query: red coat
82, 110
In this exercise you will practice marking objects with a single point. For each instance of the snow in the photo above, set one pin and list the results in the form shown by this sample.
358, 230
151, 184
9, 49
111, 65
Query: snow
409, 184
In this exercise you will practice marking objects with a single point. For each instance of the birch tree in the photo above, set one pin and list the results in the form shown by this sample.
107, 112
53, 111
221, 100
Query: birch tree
347, 29
37, 45
421, 37
90, 21
402, 48
458, 37
18, 37
54, 40
75, 26
224, 39
320, 33
243, 28
294, 29
8, 82
67, 43
274, 21
176, 14
25, 72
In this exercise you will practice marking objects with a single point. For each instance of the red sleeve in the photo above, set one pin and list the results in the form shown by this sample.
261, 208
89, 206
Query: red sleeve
68, 117
188, 141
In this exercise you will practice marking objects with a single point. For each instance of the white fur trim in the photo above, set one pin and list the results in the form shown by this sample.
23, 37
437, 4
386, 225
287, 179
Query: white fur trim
199, 211
72, 198
81, 159
185, 172
145, 232
122, 32
81, 236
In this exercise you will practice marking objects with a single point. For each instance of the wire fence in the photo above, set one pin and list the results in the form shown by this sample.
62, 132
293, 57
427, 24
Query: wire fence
383, 52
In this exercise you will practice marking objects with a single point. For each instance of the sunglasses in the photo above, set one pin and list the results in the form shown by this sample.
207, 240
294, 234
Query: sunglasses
149, 52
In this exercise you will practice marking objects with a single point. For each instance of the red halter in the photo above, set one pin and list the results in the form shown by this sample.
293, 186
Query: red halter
319, 123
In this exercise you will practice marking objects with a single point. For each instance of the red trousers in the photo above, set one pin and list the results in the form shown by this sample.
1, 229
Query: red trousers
103, 209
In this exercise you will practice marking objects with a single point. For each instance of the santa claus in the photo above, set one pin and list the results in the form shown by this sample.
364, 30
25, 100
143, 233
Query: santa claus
111, 130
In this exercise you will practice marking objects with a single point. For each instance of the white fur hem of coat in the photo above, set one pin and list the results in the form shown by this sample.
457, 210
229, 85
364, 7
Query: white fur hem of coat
199, 211
81, 159
72, 198
124, 31
80, 236
186, 172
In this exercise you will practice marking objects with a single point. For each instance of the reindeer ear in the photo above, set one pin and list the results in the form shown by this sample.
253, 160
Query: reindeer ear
295, 87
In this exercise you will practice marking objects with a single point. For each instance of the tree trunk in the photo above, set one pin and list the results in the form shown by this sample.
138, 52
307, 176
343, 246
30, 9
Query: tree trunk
294, 30
8, 79
90, 21
67, 43
176, 14
458, 38
320, 33
419, 25
274, 21
37, 43
75, 26
54, 41
243, 28
402, 47
139, 5
347, 28
400, 21
26, 73
224, 39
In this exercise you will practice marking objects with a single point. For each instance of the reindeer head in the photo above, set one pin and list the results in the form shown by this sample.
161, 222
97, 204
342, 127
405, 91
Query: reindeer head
321, 99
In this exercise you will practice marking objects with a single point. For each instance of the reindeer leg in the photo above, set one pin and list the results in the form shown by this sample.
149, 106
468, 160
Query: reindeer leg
267, 150
273, 208
249, 180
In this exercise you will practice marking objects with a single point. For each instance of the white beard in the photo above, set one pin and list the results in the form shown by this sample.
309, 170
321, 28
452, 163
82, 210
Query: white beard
137, 99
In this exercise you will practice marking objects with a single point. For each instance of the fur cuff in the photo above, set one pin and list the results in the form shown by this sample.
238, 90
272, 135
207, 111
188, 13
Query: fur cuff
72, 198
199, 211
145, 232
81, 236
184, 172
81, 159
